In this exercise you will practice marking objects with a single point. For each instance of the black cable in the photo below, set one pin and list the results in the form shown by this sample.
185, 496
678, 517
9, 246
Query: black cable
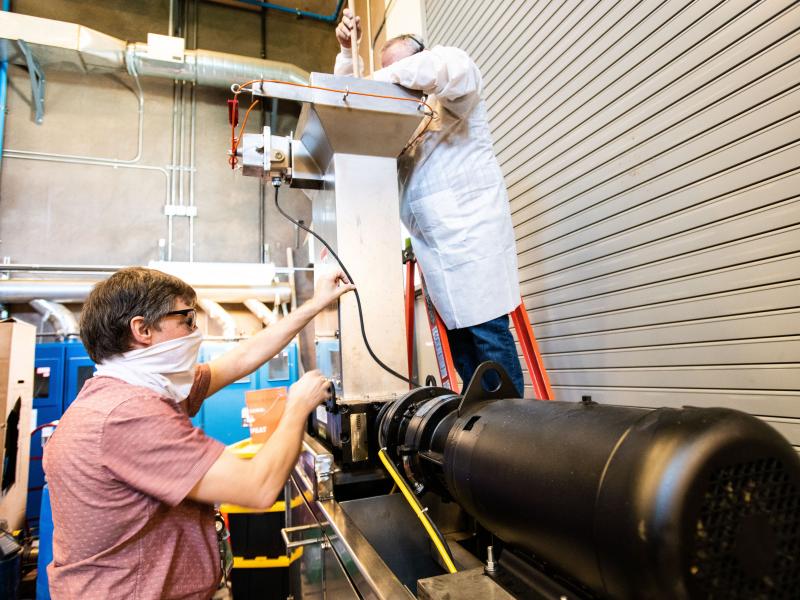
384, 366
383, 24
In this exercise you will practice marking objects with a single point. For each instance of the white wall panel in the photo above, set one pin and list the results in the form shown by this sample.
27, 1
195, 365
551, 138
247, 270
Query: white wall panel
652, 156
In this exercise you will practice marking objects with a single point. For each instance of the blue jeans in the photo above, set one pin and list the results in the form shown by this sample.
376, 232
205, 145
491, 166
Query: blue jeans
470, 346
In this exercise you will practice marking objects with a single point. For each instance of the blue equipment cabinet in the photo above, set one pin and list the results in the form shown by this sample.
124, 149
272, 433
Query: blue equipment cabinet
60, 370
79, 368
48, 394
221, 414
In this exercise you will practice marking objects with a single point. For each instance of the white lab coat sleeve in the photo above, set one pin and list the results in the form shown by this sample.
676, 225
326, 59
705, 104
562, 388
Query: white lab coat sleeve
344, 63
446, 72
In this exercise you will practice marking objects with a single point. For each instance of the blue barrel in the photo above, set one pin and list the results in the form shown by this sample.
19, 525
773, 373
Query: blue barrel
45, 546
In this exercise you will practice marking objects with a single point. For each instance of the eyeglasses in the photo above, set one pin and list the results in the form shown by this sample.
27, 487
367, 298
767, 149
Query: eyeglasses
413, 38
417, 41
189, 313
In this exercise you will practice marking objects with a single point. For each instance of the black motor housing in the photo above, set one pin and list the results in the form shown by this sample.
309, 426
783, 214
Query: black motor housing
630, 503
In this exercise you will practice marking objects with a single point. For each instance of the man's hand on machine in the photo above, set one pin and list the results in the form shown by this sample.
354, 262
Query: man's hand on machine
329, 286
258, 481
345, 27
311, 390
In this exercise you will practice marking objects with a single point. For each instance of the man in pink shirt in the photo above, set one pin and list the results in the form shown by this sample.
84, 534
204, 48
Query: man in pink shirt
132, 482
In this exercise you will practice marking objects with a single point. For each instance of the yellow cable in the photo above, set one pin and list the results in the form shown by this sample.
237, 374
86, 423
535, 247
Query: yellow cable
422, 516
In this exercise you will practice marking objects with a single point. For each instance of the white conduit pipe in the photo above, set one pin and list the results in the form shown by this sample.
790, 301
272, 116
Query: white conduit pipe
24, 290
63, 321
99, 159
221, 316
261, 311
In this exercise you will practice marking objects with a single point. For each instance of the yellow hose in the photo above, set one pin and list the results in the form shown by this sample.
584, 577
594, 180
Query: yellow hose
418, 510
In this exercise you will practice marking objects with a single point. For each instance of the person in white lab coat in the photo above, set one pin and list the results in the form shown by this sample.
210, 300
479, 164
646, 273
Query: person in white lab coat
454, 201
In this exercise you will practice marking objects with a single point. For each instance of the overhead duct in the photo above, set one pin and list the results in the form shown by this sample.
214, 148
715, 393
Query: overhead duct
25, 290
58, 315
60, 45
209, 68
219, 315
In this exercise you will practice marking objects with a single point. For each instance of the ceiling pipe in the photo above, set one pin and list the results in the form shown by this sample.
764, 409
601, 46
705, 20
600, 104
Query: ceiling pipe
220, 316
6, 6
106, 269
45, 268
76, 291
331, 18
58, 315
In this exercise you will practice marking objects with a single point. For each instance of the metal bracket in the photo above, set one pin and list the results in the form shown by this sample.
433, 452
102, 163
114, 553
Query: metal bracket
477, 393
37, 81
408, 254
178, 210
287, 531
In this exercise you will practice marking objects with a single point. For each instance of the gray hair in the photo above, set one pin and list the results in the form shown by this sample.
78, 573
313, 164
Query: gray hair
412, 42
128, 293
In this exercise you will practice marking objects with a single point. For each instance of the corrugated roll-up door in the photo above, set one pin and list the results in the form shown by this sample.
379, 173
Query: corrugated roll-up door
652, 156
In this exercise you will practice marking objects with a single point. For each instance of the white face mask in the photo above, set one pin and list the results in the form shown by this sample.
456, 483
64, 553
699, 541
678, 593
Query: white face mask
167, 368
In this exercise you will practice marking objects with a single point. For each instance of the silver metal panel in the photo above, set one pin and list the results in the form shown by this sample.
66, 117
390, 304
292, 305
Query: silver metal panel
757, 402
759, 273
651, 153
646, 131
317, 574
776, 350
749, 249
725, 305
367, 223
630, 70
718, 329
312, 135
663, 231
323, 217
472, 583
659, 176
351, 131
390, 104
758, 177
351, 567
314, 470
783, 377
392, 528
348, 115
359, 446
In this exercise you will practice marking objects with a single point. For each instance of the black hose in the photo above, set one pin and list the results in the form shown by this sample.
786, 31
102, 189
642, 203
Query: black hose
383, 365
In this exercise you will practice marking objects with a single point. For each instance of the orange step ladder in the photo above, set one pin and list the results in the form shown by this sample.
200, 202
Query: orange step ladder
447, 370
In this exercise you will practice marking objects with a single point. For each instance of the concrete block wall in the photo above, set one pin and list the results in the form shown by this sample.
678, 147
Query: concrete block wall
79, 214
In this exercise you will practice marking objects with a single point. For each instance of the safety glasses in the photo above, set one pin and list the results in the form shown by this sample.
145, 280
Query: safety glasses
189, 313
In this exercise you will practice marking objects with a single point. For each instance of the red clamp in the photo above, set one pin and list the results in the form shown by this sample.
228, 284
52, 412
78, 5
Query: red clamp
233, 119
233, 112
